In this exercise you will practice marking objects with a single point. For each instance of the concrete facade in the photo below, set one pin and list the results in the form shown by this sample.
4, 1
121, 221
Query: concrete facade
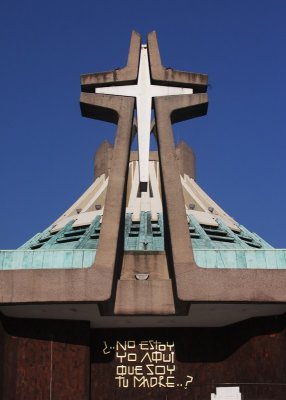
189, 281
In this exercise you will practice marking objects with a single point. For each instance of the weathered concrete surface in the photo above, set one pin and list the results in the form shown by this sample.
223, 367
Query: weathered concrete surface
144, 297
151, 296
127, 75
186, 160
103, 159
152, 263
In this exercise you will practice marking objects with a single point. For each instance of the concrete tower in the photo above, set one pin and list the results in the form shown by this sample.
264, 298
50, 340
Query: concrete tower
144, 288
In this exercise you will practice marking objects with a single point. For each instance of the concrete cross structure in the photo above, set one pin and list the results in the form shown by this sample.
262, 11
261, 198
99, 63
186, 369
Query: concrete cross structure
144, 92
150, 294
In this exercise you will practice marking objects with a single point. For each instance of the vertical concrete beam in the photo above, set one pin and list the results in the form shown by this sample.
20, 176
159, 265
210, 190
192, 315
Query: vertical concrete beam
168, 109
112, 109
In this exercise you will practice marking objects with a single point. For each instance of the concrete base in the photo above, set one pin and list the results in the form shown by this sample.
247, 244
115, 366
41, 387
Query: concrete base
144, 297
144, 286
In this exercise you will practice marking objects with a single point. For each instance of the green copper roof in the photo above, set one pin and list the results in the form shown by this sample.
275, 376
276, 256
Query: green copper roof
69, 237
147, 235
84, 258
222, 237
144, 235
75, 247
42, 259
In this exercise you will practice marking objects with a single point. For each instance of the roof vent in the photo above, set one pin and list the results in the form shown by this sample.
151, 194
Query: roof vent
98, 206
192, 206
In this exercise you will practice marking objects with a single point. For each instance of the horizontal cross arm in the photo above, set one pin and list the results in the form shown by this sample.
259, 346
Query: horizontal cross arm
121, 76
99, 106
169, 76
181, 108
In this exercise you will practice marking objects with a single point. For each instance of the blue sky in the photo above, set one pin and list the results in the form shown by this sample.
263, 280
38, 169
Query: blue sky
47, 148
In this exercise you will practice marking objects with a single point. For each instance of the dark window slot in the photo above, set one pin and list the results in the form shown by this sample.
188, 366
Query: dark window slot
209, 227
256, 245
78, 228
216, 232
75, 233
195, 236
246, 239
68, 239
36, 246
222, 238
45, 239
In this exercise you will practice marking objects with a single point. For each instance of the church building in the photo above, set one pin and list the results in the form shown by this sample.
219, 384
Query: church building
145, 288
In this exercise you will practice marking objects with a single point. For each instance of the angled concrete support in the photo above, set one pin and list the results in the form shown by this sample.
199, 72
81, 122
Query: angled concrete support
112, 109
93, 284
192, 282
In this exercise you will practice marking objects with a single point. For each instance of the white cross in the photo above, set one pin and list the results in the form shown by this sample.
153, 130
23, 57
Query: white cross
144, 92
